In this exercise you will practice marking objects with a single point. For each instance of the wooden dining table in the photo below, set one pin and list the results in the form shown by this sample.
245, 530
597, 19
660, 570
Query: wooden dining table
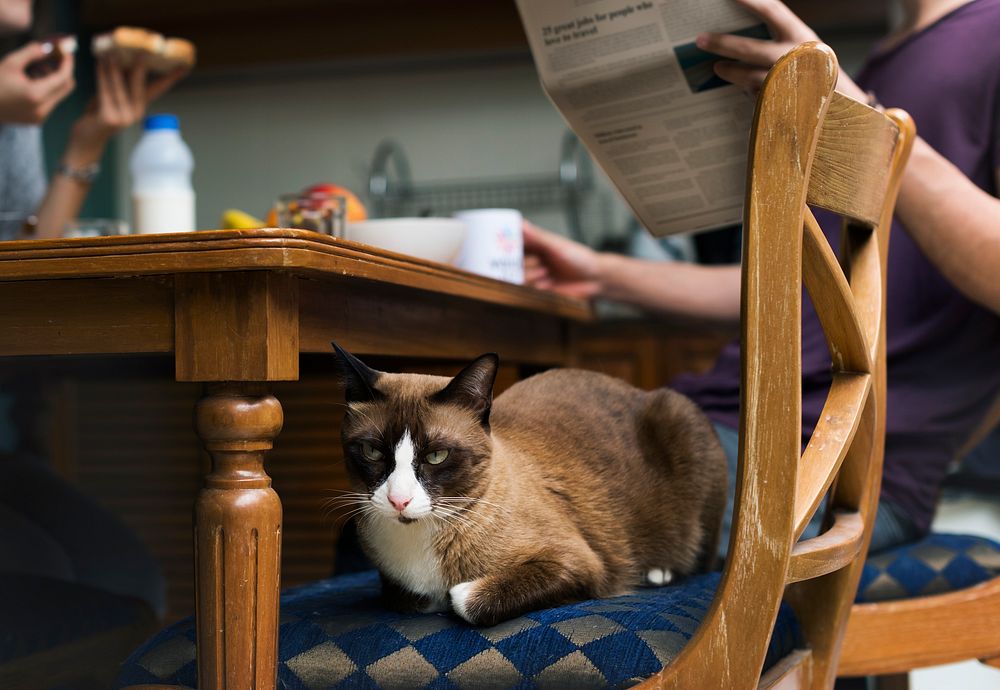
236, 309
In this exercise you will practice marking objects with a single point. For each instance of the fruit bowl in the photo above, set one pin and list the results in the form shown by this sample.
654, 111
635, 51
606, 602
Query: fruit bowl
434, 239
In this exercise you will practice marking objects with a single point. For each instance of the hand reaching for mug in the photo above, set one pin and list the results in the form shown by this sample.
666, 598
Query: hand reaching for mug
24, 100
553, 262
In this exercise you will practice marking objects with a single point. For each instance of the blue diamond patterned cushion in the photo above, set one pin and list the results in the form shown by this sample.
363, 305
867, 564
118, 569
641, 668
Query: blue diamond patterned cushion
336, 633
935, 564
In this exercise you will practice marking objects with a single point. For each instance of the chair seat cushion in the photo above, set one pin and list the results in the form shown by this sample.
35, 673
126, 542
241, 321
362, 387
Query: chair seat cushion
336, 633
936, 564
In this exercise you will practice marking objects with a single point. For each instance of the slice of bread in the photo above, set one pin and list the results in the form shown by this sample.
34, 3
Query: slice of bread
125, 43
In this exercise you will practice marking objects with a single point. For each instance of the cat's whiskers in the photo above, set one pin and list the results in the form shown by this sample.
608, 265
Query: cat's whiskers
352, 502
454, 514
473, 499
455, 521
468, 505
343, 500
363, 513
466, 517
330, 511
350, 498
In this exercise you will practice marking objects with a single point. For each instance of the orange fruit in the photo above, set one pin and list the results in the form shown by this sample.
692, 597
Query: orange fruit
355, 210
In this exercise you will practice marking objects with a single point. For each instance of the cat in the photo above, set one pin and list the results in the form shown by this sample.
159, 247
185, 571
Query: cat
571, 485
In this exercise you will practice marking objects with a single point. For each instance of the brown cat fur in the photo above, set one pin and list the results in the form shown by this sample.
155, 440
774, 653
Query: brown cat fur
570, 485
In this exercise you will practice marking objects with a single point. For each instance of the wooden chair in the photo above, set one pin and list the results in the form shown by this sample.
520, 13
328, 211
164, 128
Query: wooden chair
808, 144
959, 624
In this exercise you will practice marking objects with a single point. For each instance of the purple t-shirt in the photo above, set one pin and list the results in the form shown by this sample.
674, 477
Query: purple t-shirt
943, 350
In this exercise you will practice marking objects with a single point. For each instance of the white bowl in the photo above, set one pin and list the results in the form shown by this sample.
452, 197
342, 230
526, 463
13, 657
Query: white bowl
435, 239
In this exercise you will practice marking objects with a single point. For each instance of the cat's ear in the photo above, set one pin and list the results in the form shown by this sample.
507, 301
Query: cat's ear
357, 377
473, 387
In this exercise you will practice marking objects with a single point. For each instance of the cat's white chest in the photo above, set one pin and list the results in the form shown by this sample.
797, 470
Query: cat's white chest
406, 554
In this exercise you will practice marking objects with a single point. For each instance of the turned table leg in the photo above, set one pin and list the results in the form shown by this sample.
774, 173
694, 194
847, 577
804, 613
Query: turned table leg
237, 540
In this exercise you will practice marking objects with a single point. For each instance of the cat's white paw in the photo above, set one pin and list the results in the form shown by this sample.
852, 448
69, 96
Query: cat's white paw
459, 598
659, 577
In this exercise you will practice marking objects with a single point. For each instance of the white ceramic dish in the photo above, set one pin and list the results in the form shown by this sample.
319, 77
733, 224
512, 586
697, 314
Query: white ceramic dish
435, 239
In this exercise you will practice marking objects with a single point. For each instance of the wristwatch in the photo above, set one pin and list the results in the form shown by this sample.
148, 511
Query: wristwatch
85, 175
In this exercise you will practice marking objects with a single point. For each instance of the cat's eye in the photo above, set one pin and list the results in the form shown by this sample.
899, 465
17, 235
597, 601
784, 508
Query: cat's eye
436, 457
370, 452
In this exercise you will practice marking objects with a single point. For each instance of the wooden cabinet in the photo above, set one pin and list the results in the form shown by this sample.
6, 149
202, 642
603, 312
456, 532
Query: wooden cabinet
231, 33
644, 352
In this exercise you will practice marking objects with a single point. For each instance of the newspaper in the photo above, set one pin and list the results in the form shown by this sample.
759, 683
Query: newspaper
628, 78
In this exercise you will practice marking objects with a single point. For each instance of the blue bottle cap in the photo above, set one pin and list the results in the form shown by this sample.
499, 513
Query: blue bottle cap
161, 121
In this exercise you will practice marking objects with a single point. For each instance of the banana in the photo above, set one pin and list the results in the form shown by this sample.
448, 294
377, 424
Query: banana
234, 219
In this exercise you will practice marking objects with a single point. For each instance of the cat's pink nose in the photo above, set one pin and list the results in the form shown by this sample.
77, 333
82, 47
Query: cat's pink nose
399, 503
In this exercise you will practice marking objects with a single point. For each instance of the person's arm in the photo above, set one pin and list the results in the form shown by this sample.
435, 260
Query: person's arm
955, 223
121, 101
690, 291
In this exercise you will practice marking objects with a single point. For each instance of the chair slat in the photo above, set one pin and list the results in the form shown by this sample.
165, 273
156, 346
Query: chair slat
833, 437
830, 551
940, 629
791, 673
834, 302
855, 149
863, 254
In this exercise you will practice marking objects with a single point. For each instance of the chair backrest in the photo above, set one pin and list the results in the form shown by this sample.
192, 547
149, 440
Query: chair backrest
808, 145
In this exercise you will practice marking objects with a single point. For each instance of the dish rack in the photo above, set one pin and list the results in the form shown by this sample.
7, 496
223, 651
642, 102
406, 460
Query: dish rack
392, 191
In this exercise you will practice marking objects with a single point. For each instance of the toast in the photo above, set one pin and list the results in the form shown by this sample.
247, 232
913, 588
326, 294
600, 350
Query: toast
162, 54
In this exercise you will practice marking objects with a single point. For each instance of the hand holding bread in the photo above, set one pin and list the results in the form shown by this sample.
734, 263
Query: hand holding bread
134, 67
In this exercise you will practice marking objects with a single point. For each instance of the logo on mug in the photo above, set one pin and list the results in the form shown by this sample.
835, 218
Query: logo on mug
494, 245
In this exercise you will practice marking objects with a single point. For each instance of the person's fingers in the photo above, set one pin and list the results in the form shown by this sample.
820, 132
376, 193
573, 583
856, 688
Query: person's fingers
116, 86
103, 88
746, 77
782, 22
532, 260
578, 290
114, 100
754, 51
53, 88
57, 80
535, 274
531, 232
161, 85
137, 84
539, 241
20, 58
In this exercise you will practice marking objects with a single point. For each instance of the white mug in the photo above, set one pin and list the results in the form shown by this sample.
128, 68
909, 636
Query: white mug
494, 244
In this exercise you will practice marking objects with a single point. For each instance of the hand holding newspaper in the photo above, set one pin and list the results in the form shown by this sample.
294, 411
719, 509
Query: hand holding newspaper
628, 79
